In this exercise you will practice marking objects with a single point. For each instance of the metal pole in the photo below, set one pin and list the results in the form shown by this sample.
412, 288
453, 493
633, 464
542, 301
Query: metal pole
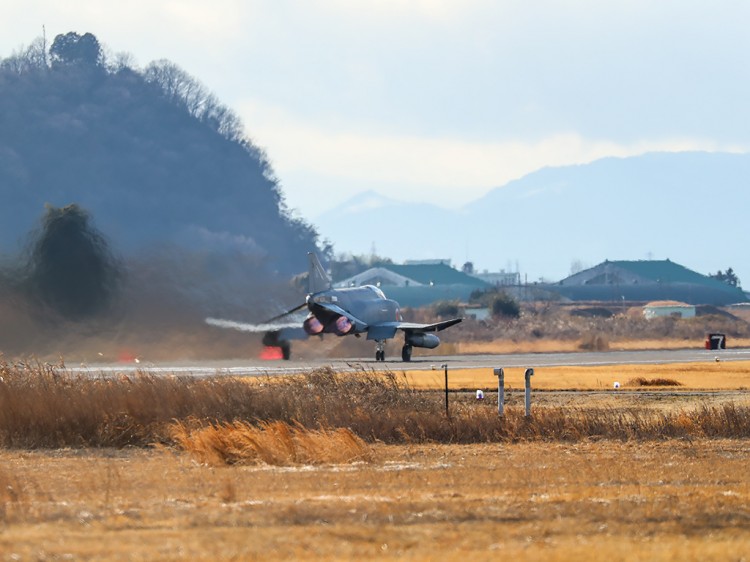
500, 374
445, 366
527, 375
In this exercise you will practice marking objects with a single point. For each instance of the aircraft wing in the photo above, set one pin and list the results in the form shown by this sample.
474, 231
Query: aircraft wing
436, 327
386, 330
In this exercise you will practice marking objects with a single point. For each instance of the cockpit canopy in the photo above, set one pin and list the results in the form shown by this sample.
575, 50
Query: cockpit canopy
376, 290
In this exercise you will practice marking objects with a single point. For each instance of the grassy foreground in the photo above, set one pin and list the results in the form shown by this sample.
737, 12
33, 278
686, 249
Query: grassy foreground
365, 466
45, 407
606, 500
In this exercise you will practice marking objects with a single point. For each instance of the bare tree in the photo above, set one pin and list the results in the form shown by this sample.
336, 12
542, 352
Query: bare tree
33, 57
184, 90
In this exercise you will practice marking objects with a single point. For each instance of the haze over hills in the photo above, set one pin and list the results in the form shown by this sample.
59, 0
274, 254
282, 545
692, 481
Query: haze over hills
690, 207
133, 204
150, 153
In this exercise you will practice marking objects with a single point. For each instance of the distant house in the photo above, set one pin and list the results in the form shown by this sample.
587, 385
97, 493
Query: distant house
676, 309
646, 281
500, 278
418, 284
477, 312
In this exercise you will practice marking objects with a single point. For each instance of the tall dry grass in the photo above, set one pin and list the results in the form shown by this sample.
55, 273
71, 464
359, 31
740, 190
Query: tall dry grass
44, 406
273, 443
659, 381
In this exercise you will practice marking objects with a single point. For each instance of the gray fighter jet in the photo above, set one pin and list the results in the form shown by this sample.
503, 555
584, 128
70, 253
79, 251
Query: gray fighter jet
353, 311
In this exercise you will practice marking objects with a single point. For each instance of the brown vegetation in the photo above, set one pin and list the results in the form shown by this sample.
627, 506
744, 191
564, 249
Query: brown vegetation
272, 443
580, 480
564, 322
594, 342
642, 381
42, 406
593, 500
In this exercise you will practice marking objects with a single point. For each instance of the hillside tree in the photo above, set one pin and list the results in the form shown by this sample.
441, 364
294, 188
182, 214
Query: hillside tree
72, 48
71, 268
729, 277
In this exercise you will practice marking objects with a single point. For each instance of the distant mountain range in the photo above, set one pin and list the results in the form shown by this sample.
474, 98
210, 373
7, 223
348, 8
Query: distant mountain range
690, 207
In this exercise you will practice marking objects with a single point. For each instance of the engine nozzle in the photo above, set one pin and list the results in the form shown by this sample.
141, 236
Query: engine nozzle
313, 326
342, 326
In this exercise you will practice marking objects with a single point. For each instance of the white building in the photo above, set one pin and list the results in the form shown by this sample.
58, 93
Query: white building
668, 308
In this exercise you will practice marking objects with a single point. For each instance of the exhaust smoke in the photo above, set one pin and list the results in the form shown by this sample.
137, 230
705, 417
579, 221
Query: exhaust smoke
253, 328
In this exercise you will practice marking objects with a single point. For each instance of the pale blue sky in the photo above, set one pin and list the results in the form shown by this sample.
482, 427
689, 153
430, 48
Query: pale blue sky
438, 100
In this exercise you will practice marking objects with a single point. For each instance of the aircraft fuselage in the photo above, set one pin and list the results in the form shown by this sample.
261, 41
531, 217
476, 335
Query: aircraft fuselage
366, 304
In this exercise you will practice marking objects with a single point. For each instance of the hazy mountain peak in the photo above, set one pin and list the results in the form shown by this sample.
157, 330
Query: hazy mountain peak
366, 201
689, 206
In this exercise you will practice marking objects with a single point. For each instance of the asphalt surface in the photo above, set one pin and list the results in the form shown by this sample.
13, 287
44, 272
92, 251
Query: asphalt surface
257, 367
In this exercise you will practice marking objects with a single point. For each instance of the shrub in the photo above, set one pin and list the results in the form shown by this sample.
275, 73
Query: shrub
273, 443
446, 309
594, 342
642, 381
504, 305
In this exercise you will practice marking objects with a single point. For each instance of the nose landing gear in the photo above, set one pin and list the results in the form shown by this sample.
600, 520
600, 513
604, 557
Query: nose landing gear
380, 350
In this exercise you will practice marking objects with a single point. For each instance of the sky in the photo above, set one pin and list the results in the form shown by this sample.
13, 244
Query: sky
437, 100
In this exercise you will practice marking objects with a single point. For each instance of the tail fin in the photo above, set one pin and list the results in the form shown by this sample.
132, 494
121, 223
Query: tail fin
318, 279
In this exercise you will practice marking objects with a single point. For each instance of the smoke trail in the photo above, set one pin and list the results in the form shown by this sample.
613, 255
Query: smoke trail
254, 328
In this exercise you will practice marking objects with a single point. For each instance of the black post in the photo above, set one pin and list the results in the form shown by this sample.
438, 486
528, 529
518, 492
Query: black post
447, 414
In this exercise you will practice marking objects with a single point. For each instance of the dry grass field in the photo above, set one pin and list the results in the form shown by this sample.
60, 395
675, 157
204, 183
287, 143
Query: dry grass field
695, 376
367, 466
604, 500
563, 346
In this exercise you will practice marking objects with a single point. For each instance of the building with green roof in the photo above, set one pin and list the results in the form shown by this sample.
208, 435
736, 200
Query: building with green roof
647, 280
418, 284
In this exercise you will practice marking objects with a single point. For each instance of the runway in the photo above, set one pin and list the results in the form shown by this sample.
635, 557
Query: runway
257, 367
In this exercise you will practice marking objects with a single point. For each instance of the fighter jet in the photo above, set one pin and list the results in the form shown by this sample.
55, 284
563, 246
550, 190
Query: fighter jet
353, 311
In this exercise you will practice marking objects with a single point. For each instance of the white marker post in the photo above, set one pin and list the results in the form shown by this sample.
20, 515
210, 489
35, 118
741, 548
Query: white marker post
527, 375
500, 374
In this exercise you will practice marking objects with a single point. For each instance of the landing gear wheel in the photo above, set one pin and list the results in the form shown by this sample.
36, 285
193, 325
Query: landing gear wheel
286, 350
406, 353
380, 350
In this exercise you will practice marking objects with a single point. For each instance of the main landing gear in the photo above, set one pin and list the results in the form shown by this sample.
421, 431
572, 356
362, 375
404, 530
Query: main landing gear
380, 350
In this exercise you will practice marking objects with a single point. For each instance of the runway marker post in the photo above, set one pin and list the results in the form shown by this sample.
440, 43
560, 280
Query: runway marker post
527, 375
500, 374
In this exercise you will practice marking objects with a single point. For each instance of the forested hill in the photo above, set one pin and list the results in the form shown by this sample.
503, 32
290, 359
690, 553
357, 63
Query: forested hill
149, 153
